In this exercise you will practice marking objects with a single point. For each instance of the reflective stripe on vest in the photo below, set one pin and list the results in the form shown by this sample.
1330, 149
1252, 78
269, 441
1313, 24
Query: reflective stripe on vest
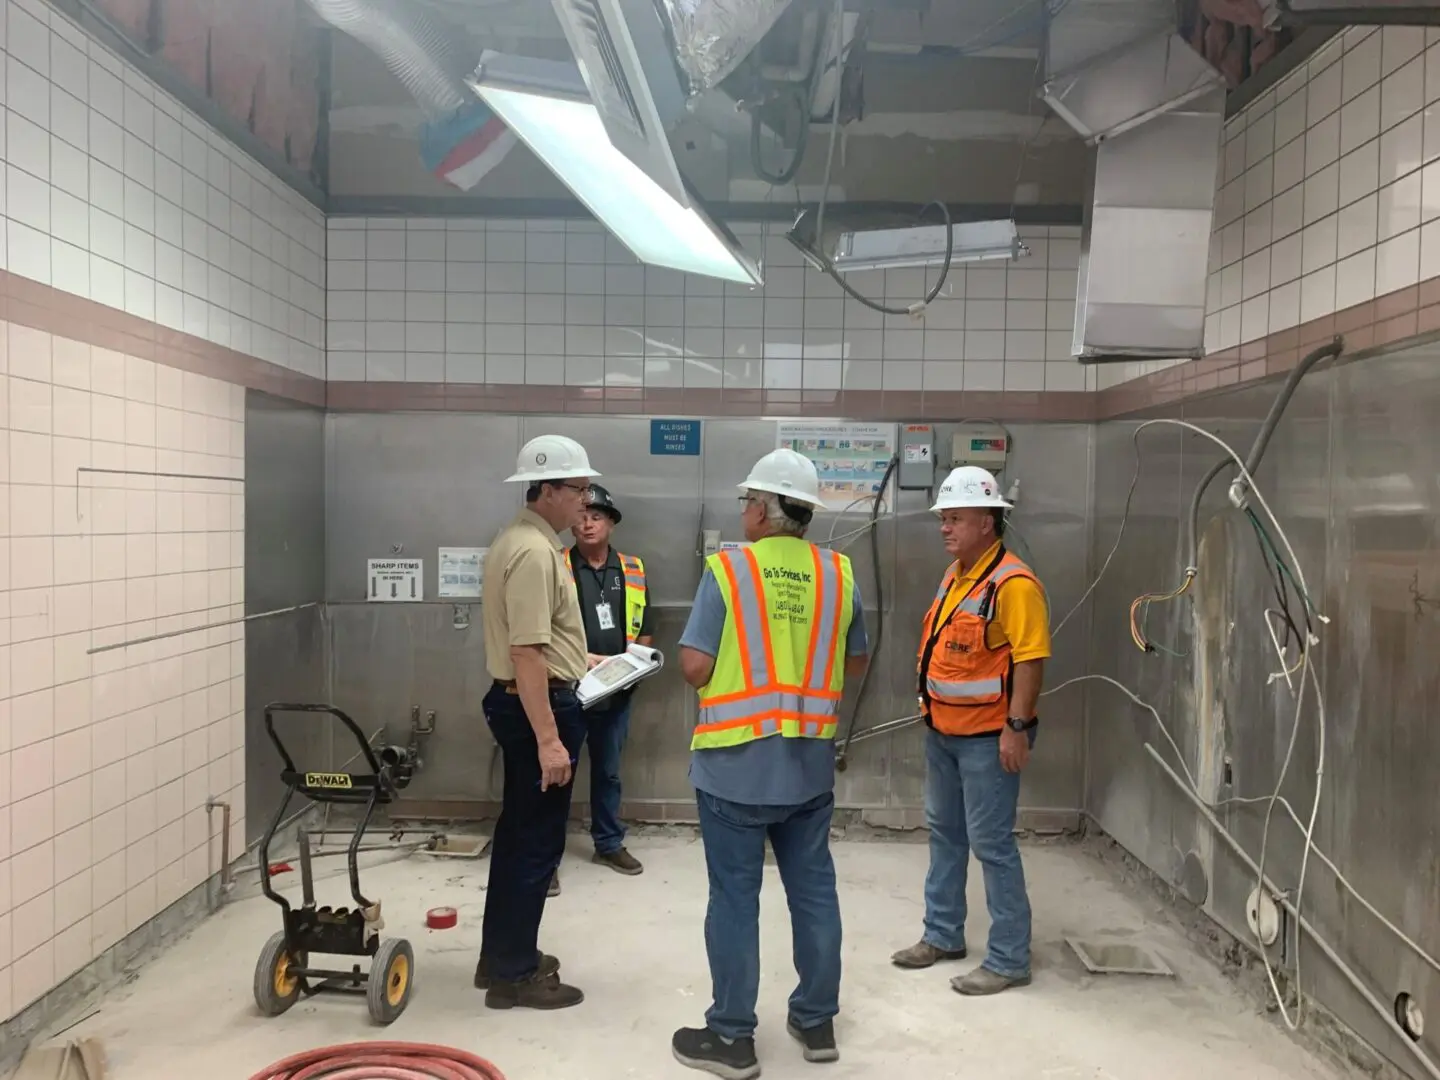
772, 677
634, 570
966, 681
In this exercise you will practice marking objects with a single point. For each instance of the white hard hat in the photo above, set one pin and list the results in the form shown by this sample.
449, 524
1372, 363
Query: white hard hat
784, 472
551, 457
969, 485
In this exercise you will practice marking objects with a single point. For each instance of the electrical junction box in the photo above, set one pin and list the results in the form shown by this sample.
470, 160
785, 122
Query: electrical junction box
985, 445
917, 458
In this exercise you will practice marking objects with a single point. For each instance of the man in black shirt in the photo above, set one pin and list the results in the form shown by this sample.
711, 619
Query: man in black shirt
615, 604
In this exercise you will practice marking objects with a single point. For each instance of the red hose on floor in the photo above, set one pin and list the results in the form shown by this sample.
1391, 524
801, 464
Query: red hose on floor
382, 1061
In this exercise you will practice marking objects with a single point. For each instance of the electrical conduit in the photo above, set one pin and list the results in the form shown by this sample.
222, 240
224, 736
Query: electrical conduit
383, 1061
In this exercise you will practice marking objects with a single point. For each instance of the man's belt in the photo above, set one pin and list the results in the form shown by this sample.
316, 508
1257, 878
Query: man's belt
510, 686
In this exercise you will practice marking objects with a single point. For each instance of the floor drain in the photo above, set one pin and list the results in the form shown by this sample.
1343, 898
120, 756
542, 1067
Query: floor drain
1118, 958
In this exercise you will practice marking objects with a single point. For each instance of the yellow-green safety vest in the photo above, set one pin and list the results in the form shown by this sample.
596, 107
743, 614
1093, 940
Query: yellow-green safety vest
781, 665
634, 570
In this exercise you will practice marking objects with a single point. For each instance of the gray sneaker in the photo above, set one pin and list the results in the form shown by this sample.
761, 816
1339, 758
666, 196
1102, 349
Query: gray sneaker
554, 887
982, 982
923, 955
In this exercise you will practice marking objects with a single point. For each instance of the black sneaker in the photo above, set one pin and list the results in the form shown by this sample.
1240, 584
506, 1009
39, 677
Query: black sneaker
818, 1041
701, 1048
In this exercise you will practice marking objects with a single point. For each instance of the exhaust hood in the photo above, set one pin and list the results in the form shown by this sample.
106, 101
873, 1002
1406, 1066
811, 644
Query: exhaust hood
1154, 109
1356, 12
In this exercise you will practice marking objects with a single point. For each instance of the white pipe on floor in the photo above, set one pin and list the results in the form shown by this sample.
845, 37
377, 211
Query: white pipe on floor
1364, 991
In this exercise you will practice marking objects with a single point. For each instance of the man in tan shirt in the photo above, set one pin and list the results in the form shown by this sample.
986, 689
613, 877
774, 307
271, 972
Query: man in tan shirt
535, 651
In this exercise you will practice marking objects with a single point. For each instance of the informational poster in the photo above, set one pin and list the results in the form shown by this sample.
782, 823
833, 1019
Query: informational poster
395, 580
462, 571
850, 458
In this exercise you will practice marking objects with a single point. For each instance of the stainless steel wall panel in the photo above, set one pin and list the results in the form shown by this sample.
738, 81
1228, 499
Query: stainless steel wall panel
284, 566
1351, 474
421, 480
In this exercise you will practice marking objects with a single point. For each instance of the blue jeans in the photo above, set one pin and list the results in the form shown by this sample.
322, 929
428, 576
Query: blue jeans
734, 838
970, 805
606, 732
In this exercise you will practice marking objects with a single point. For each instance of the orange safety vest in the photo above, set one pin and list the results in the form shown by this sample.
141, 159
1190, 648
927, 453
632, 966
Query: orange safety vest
964, 685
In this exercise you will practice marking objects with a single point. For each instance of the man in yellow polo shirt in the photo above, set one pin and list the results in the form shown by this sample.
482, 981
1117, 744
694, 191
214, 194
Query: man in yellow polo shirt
983, 647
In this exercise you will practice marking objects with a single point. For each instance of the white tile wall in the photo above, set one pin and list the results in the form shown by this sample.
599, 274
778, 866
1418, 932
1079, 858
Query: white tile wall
1329, 190
467, 300
106, 761
112, 191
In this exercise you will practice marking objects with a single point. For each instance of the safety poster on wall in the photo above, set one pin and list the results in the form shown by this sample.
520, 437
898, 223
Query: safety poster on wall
850, 458
462, 572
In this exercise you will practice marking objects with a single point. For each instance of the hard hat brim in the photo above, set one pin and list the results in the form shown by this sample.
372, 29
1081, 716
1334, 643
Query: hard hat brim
789, 493
537, 477
994, 502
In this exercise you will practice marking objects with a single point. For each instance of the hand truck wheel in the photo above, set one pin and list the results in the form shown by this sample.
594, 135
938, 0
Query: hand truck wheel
276, 985
392, 974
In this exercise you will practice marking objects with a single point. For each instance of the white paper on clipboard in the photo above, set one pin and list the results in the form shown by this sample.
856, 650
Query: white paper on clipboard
616, 673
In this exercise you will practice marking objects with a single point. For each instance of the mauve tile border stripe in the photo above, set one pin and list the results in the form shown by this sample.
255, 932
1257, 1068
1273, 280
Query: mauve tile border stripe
66, 315
1386, 320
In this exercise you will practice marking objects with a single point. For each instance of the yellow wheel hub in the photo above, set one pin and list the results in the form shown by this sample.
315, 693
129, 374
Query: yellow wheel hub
397, 980
285, 983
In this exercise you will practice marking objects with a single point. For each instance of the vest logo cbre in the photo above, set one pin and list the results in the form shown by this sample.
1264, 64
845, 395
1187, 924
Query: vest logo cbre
782, 573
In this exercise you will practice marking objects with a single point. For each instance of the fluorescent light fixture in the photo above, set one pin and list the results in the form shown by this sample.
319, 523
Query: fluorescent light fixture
546, 105
924, 245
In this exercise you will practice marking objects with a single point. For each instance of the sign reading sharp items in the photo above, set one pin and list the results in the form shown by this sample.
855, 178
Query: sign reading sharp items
395, 580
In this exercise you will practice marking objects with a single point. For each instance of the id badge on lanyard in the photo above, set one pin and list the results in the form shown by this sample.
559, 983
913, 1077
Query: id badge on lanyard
605, 615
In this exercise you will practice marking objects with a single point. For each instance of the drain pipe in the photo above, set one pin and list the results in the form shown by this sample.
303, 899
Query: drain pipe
1431, 1069
227, 882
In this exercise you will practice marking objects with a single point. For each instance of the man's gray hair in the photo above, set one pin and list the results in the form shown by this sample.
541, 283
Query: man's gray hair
780, 521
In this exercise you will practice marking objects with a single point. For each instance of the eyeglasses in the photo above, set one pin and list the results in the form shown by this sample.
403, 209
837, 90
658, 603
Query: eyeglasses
584, 489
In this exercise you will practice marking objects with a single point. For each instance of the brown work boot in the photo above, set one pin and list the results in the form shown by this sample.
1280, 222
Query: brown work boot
532, 993
548, 967
923, 955
621, 861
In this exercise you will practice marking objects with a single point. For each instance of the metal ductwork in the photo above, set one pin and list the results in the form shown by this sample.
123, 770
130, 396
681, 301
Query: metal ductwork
431, 59
1119, 74
1353, 12
711, 37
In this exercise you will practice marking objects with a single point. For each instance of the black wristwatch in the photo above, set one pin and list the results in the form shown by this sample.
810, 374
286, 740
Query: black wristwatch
1015, 723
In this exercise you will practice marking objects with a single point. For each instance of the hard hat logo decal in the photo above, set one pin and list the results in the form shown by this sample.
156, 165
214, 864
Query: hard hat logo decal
540, 459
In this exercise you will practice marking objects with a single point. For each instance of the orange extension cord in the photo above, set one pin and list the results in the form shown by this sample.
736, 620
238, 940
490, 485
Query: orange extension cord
382, 1061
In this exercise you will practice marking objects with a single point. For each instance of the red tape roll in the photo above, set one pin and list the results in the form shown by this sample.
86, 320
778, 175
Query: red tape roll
441, 918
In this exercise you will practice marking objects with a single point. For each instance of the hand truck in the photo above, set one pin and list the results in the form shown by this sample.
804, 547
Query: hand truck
283, 972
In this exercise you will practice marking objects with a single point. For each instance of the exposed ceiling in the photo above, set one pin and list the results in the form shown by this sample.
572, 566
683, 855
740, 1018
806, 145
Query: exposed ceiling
949, 113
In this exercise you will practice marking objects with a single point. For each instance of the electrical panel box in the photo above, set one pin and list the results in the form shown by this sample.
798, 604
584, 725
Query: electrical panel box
917, 458
985, 445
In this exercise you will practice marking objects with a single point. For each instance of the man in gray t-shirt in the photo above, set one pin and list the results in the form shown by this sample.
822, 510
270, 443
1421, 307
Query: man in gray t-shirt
777, 781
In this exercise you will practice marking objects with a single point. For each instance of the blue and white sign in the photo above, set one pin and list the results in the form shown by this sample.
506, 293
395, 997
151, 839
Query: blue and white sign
675, 438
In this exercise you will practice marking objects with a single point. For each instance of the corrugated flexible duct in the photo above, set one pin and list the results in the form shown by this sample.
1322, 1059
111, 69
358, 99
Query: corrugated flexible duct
429, 58
712, 36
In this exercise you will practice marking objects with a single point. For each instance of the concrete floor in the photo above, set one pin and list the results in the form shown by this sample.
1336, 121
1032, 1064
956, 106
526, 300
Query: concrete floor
635, 946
